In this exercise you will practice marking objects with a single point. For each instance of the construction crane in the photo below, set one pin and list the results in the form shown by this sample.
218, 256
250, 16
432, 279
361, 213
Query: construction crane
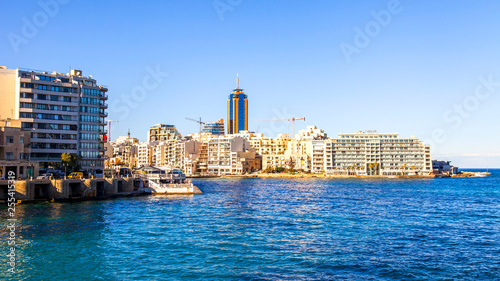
109, 129
197, 121
293, 119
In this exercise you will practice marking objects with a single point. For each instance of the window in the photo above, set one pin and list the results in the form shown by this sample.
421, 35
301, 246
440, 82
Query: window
54, 98
21, 139
46, 78
26, 125
9, 155
42, 87
67, 99
27, 85
26, 95
9, 139
41, 97
42, 106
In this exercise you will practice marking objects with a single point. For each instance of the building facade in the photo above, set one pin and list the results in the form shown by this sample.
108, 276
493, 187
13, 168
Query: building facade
146, 154
162, 132
372, 153
231, 155
237, 110
64, 112
15, 150
122, 153
215, 128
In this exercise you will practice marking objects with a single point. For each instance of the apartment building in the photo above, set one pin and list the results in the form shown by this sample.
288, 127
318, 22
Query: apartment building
15, 150
372, 153
231, 155
162, 132
64, 112
215, 128
170, 154
146, 154
122, 153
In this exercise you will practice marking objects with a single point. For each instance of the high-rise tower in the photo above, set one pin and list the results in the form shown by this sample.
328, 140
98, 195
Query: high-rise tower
237, 110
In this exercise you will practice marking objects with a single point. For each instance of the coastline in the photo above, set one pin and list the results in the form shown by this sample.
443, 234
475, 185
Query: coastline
324, 176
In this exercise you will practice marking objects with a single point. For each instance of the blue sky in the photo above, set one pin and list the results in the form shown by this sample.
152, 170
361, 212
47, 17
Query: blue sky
422, 72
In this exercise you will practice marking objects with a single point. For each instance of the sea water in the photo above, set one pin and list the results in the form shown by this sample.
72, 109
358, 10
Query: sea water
269, 229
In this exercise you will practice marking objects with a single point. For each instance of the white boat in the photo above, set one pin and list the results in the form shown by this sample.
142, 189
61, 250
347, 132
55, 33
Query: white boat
166, 181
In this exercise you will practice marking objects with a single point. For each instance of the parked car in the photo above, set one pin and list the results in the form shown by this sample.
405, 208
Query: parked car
76, 175
44, 177
98, 174
109, 173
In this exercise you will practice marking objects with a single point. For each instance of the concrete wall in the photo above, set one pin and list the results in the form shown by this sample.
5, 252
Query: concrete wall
63, 189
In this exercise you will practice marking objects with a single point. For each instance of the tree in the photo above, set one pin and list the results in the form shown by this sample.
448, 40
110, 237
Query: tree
268, 170
371, 168
72, 161
280, 169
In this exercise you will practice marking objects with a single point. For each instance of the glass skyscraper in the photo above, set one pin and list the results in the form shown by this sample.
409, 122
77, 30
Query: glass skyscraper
237, 110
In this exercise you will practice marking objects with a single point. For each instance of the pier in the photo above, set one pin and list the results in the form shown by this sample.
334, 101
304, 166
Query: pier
65, 190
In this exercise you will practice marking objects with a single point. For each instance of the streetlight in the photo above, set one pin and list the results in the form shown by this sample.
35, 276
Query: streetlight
65, 170
32, 170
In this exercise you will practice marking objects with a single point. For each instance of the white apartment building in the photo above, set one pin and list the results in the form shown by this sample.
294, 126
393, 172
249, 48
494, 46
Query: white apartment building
372, 153
146, 154
231, 155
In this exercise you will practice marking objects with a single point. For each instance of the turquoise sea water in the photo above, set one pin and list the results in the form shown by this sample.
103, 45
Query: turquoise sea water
258, 229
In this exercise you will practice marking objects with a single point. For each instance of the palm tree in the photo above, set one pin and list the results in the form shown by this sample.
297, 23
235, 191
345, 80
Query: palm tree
404, 168
371, 168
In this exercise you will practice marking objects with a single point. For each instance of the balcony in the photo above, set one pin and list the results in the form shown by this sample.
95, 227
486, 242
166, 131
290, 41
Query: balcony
104, 88
103, 105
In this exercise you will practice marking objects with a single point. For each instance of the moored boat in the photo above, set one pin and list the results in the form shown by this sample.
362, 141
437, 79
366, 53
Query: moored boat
166, 181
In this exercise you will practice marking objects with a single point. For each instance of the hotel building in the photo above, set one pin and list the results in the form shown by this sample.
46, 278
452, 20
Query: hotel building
64, 112
372, 153
237, 110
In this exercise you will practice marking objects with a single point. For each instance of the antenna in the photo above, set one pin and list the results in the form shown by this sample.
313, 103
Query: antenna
237, 81
129, 133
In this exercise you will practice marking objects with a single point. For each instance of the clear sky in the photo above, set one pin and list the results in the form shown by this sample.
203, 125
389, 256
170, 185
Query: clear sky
423, 68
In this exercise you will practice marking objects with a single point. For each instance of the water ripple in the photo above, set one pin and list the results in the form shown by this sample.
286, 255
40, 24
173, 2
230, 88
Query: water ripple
255, 229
